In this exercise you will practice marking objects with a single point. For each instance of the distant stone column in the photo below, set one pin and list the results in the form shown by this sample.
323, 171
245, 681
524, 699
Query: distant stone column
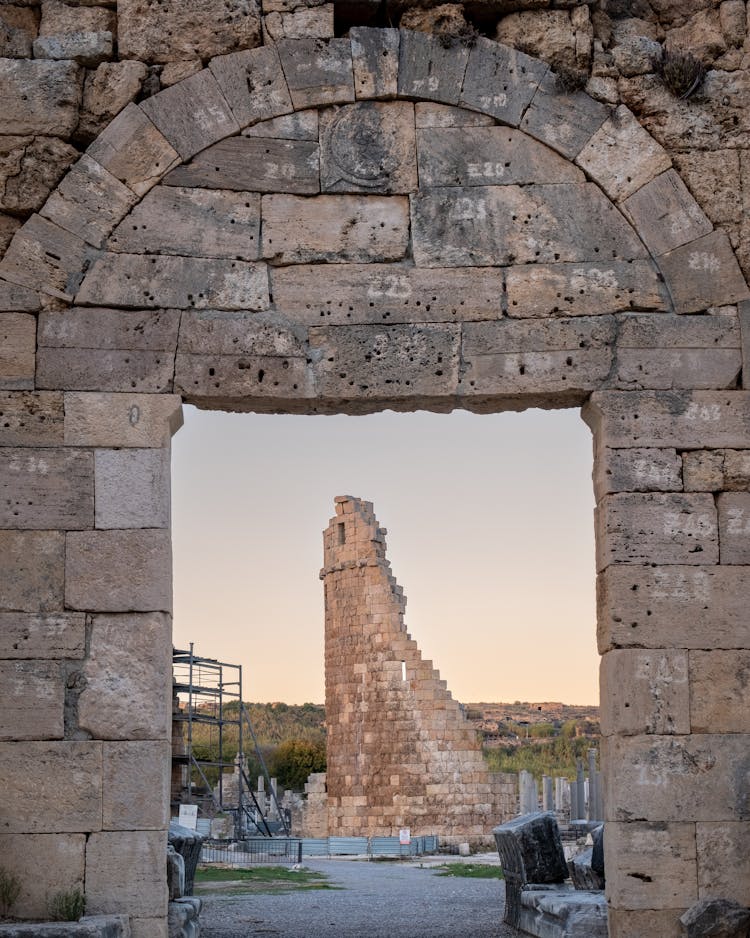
548, 799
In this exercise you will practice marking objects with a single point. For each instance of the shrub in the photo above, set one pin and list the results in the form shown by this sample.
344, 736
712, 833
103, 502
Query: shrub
67, 906
681, 72
10, 889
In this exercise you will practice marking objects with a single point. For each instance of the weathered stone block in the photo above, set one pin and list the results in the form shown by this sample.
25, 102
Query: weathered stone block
665, 214
734, 527
703, 470
635, 923
135, 785
716, 917
62, 19
313, 23
17, 351
149, 928
118, 571
54, 635
33, 698
18, 29
32, 799
125, 871
133, 150
481, 156
719, 691
194, 222
368, 147
104, 369
428, 70
671, 778
192, 114
637, 470
386, 361
513, 357
317, 71
428, 114
673, 606
657, 368
29, 168
132, 488
31, 419
697, 420
622, 156
121, 420
474, 226
138, 280
45, 257
46, 488
256, 164
85, 48
563, 121
334, 228
61, 858
724, 860
106, 91
253, 84
32, 570
17, 299
226, 378
127, 690
500, 81
703, 273
644, 691
210, 333
353, 293
736, 470
302, 125
185, 27
85, 328
650, 866
656, 528
375, 59
89, 202
40, 97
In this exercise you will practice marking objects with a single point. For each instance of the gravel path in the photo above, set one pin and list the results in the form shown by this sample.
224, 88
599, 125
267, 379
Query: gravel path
376, 900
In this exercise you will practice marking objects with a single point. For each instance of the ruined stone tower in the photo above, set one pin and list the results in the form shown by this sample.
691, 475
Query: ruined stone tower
400, 752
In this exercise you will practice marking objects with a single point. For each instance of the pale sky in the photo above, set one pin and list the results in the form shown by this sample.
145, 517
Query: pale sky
490, 532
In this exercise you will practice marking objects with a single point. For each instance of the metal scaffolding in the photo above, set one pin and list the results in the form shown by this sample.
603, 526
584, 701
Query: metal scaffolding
210, 694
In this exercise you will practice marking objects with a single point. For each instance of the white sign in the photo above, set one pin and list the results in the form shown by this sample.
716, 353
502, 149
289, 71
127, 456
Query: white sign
189, 816
404, 836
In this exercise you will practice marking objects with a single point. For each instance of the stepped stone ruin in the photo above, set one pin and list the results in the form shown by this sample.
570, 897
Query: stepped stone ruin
400, 752
260, 206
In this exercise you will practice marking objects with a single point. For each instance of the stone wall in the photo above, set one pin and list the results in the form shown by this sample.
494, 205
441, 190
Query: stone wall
389, 220
400, 752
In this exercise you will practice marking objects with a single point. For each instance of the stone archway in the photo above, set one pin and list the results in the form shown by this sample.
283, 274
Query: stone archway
349, 225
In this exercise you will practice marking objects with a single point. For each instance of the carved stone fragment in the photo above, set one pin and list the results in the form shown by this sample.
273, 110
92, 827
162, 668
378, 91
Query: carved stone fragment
369, 147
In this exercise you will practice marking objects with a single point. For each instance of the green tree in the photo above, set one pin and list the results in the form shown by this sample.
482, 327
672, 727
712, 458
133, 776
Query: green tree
294, 759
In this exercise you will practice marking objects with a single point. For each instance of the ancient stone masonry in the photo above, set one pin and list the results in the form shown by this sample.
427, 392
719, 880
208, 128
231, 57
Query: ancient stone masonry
387, 219
400, 752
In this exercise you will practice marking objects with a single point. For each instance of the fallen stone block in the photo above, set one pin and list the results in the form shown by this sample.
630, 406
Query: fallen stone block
716, 918
188, 844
